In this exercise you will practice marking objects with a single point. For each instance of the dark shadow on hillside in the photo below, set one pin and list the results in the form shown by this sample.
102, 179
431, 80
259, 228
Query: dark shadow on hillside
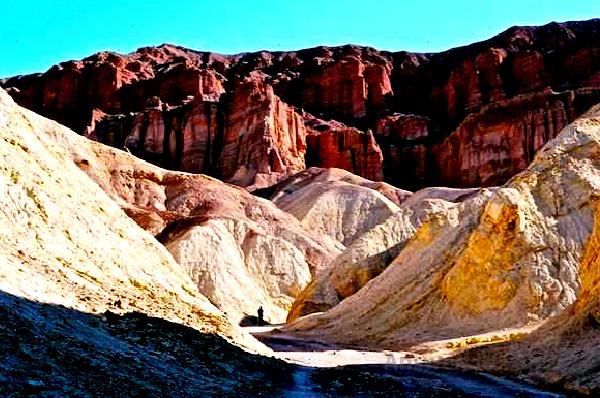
51, 350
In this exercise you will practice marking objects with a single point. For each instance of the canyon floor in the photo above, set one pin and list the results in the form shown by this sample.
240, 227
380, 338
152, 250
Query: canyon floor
416, 373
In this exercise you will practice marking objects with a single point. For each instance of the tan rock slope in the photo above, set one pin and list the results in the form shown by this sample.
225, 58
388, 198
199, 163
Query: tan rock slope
374, 249
563, 352
64, 241
503, 259
241, 251
336, 203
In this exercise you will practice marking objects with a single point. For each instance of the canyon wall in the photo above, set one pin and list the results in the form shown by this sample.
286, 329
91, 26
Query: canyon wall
473, 115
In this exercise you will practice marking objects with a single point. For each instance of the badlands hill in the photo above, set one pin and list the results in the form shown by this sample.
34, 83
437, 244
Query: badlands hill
470, 116
89, 301
521, 257
240, 251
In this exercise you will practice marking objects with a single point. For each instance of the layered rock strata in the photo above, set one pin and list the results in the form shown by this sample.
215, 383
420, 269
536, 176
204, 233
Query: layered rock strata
464, 117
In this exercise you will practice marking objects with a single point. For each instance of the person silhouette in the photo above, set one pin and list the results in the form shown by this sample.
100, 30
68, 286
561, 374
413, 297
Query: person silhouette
261, 314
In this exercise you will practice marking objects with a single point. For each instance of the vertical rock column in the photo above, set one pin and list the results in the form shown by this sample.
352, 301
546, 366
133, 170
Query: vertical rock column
263, 137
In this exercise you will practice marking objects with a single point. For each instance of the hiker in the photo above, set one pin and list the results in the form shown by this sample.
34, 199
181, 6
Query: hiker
261, 314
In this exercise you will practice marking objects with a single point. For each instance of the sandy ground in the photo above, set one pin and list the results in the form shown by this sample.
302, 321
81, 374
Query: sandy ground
311, 352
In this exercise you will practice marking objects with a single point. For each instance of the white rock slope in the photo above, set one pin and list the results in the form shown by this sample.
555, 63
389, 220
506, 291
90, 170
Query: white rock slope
64, 241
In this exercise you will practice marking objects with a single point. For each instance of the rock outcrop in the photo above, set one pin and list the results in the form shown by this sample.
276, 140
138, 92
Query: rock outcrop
490, 145
563, 352
515, 257
374, 249
252, 140
483, 109
333, 144
348, 87
264, 139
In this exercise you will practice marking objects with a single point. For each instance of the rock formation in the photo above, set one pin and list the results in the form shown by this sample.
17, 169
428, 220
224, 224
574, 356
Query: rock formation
65, 242
374, 249
92, 305
488, 146
264, 139
509, 258
253, 142
333, 202
333, 144
465, 117
265, 256
563, 352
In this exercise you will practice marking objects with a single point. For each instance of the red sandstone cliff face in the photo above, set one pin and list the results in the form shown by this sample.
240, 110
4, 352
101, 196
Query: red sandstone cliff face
333, 144
116, 83
348, 87
264, 139
421, 107
253, 139
489, 146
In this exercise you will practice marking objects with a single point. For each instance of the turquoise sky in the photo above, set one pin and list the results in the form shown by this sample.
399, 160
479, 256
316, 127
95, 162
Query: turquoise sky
36, 34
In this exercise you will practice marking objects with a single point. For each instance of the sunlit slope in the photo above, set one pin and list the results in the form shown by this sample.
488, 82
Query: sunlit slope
502, 259
64, 241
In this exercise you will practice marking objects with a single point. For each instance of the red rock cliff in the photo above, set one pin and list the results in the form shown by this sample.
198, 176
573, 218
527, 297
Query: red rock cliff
252, 138
333, 144
420, 106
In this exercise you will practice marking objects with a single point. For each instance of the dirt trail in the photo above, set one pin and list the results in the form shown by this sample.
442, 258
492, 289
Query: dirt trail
413, 372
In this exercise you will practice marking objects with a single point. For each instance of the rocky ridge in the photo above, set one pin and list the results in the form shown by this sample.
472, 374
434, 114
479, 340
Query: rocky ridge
482, 109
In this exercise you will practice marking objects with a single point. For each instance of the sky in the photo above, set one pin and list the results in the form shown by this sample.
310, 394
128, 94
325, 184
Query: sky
35, 34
